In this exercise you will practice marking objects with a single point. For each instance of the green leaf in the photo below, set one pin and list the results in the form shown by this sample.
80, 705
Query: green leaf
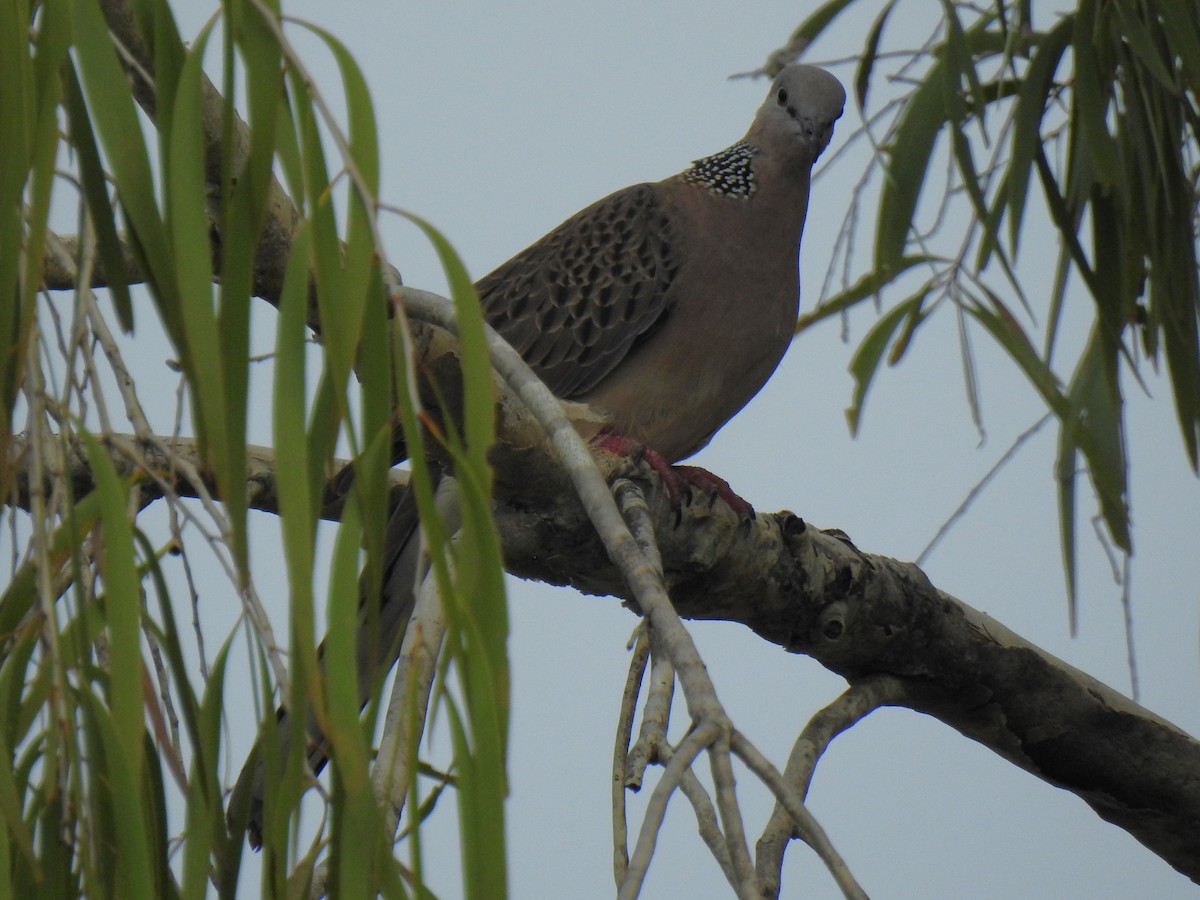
904, 174
167, 636
205, 814
869, 353
483, 670
820, 19
363, 138
1007, 332
53, 41
472, 590
186, 190
17, 148
339, 330
1181, 29
300, 467
120, 131
21, 593
11, 680
478, 391
1158, 240
287, 150
246, 182
1132, 30
154, 810
483, 859
1090, 103
1095, 394
866, 61
357, 827
1066, 468
473, 472
866, 287
7, 888
1032, 102
95, 189
960, 145
1113, 305
1094, 426
359, 296
958, 52
124, 825
122, 605
64, 873
378, 431
299, 500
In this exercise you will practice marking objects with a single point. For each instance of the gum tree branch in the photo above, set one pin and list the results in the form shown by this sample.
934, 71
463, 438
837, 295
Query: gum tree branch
861, 615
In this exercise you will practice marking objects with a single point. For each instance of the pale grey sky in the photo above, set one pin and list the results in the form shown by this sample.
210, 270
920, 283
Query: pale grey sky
498, 121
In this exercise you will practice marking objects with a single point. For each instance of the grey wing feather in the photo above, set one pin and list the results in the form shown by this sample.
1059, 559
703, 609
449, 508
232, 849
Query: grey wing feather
574, 303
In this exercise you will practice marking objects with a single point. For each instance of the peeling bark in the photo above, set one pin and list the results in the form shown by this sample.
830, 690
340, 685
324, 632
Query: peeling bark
861, 615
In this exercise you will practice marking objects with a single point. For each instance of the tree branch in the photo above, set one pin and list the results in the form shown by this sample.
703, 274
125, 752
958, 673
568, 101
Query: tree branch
281, 216
861, 615
161, 468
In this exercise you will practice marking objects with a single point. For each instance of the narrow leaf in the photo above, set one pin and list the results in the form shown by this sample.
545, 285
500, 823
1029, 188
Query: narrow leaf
127, 827
908, 160
866, 61
1032, 102
122, 604
116, 121
866, 287
1090, 100
869, 353
95, 189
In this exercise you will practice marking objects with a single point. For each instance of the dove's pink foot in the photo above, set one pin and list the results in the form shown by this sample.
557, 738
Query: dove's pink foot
678, 479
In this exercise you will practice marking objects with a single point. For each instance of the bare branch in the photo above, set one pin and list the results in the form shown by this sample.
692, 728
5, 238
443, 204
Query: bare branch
405, 720
860, 699
640, 643
731, 816
808, 826
691, 747
60, 268
859, 614
166, 466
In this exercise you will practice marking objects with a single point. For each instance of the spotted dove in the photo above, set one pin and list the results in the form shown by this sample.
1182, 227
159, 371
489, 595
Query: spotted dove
664, 307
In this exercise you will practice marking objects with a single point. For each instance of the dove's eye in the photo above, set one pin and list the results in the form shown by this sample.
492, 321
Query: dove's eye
782, 96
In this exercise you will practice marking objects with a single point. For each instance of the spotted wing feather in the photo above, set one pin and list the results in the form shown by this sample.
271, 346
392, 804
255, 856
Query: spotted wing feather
574, 303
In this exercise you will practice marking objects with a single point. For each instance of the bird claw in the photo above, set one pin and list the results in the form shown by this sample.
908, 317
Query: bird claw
715, 488
680, 481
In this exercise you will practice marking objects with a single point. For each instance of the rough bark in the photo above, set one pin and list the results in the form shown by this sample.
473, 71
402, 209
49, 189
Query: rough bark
811, 591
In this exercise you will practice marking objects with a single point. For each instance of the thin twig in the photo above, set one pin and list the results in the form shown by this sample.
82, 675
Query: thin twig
656, 716
856, 702
633, 682
975, 491
731, 817
656, 809
417, 665
813, 833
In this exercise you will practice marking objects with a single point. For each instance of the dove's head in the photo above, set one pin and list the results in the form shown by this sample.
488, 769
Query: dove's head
798, 115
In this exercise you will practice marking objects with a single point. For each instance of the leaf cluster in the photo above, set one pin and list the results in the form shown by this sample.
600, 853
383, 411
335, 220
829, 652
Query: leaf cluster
1099, 107
93, 677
